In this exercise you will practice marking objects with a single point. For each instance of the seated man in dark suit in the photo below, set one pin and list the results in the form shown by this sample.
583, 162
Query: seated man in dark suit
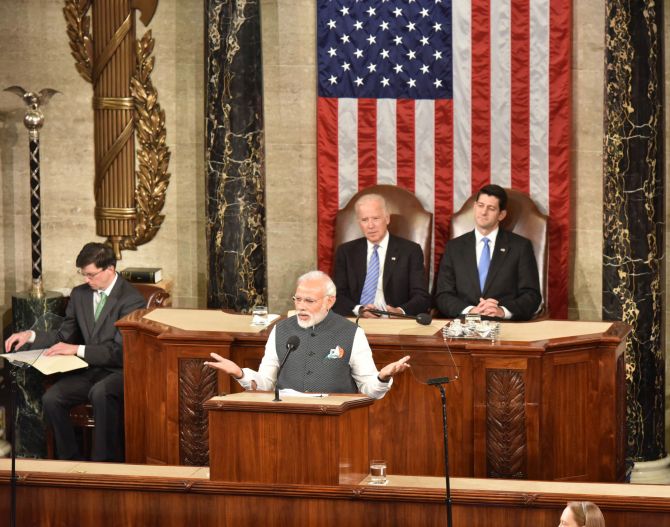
88, 331
489, 271
379, 271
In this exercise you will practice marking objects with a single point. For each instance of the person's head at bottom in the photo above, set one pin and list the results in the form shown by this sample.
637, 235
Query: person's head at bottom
582, 514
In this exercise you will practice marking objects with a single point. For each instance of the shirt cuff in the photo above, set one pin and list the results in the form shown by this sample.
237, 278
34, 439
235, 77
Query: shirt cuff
508, 315
81, 350
32, 337
356, 309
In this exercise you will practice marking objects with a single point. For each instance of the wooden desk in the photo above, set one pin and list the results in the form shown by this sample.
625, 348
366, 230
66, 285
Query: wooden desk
108, 495
549, 409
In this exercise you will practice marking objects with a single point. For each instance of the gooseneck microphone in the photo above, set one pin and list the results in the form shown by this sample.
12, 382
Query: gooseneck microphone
422, 318
292, 344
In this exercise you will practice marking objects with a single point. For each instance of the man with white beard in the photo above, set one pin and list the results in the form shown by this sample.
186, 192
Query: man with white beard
333, 354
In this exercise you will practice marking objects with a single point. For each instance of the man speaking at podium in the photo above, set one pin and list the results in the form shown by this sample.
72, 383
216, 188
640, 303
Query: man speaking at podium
328, 353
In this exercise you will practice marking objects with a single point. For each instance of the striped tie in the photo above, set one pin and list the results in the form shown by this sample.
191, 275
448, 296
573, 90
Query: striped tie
371, 279
484, 262
101, 304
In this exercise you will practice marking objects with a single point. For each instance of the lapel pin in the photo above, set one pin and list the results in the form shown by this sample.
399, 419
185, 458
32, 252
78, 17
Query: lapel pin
393, 258
502, 249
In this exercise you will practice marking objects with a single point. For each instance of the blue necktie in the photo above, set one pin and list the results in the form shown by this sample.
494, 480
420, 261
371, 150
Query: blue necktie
484, 263
371, 278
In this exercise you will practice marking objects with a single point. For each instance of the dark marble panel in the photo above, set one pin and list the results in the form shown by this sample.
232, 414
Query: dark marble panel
633, 212
45, 313
235, 156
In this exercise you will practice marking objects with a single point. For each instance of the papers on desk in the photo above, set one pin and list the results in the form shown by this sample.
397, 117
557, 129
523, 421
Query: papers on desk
42, 363
288, 392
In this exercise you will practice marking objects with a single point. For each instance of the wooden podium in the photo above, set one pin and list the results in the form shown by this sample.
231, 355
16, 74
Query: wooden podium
298, 440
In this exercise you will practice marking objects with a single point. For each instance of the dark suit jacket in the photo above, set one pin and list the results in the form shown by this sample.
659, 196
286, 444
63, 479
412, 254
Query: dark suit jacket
512, 279
404, 279
104, 345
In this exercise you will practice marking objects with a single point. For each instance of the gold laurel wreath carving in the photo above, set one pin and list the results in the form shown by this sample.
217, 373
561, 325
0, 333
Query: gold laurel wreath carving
152, 176
79, 33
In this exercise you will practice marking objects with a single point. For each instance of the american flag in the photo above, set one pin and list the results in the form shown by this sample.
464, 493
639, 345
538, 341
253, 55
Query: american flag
442, 98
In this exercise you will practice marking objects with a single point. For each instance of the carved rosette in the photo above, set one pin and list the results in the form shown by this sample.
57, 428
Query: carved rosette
125, 103
506, 443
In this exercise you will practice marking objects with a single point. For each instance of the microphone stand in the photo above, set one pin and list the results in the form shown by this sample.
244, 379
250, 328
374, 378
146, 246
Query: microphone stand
290, 346
440, 382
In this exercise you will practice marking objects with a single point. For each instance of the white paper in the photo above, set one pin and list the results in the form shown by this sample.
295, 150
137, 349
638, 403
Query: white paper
46, 365
288, 392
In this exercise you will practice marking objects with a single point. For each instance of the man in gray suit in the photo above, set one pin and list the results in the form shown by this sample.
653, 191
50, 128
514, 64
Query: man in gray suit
489, 271
88, 331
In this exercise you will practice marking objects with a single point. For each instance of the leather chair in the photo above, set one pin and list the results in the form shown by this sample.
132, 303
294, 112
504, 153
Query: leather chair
81, 415
408, 219
523, 218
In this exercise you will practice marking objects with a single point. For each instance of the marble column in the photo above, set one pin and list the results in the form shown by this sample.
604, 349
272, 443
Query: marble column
43, 313
633, 211
235, 156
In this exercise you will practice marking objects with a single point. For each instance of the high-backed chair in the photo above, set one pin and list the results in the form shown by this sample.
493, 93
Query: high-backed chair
408, 219
81, 415
523, 218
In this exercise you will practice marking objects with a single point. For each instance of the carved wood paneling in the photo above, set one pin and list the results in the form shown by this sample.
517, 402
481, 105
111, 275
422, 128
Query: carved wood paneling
197, 384
505, 424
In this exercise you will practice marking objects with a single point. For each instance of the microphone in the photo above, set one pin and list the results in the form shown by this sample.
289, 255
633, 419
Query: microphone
422, 318
292, 344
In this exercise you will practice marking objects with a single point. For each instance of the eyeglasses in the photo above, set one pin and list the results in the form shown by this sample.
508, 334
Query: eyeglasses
308, 301
90, 276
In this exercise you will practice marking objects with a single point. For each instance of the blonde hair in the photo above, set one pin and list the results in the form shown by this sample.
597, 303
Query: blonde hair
587, 513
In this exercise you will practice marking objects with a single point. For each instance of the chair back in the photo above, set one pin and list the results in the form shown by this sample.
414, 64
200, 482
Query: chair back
409, 219
523, 218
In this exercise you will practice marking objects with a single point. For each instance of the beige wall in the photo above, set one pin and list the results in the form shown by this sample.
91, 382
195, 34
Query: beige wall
35, 55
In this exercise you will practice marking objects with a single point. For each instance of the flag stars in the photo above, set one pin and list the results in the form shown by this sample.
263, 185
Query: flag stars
424, 13
331, 24
344, 39
346, 66
358, 24
411, 83
411, 26
425, 69
332, 52
372, 11
358, 81
384, 26
397, 68
424, 41
437, 26
411, 54
437, 55
397, 12
332, 79
372, 67
384, 53
371, 39
344, 11
438, 83
385, 82
397, 40
358, 53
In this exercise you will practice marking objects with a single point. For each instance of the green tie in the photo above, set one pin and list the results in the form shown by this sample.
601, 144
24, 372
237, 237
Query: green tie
101, 304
